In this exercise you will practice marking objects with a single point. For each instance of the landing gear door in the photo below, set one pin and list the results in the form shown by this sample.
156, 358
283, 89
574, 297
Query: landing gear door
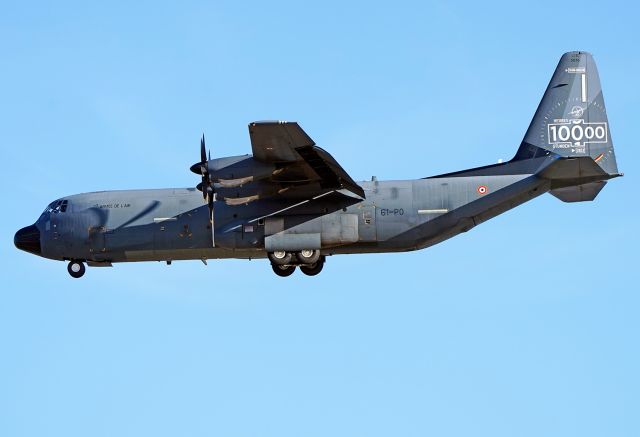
367, 223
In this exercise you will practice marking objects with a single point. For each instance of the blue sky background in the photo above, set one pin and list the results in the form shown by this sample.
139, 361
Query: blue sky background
525, 326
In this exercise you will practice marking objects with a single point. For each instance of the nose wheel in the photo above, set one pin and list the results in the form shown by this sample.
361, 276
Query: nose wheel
76, 268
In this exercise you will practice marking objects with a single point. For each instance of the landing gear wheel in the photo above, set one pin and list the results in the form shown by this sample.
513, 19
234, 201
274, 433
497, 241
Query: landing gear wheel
283, 271
308, 256
280, 257
313, 269
76, 269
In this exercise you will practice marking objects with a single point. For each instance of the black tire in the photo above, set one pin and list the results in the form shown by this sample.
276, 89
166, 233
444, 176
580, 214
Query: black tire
313, 269
308, 256
283, 271
76, 269
280, 257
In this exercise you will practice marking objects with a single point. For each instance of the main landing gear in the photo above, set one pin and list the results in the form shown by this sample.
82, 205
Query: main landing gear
76, 268
284, 263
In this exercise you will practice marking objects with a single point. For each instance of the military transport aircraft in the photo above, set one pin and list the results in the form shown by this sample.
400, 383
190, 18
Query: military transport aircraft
292, 203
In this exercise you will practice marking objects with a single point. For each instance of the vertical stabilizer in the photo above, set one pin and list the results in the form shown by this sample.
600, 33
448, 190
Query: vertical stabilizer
571, 120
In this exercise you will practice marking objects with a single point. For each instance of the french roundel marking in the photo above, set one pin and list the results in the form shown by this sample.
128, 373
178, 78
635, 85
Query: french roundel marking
482, 189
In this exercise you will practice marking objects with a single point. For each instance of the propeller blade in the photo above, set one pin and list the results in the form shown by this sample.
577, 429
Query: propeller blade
203, 150
204, 169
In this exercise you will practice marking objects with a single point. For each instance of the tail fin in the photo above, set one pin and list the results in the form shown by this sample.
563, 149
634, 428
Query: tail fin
571, 120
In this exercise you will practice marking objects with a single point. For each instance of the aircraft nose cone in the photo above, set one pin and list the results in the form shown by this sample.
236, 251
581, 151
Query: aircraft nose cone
28, 239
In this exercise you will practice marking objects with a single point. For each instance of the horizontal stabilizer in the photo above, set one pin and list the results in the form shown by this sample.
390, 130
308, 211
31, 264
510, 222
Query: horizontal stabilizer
577, 170
579, 193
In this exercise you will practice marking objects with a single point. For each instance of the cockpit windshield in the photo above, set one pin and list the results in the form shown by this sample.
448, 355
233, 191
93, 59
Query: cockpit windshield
57, 206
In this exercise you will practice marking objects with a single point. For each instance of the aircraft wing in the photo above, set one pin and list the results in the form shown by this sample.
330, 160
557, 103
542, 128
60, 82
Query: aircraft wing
305, 170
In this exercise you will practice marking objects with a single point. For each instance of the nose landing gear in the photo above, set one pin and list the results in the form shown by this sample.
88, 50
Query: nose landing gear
76, 268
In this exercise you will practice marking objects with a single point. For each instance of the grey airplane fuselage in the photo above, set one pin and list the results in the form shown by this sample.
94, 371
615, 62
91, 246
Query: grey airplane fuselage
173, 224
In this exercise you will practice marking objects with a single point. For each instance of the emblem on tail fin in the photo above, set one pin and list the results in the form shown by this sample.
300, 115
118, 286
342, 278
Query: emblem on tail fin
576, 111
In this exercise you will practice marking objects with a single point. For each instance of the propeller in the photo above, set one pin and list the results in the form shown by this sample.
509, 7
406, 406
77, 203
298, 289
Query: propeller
206, 186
